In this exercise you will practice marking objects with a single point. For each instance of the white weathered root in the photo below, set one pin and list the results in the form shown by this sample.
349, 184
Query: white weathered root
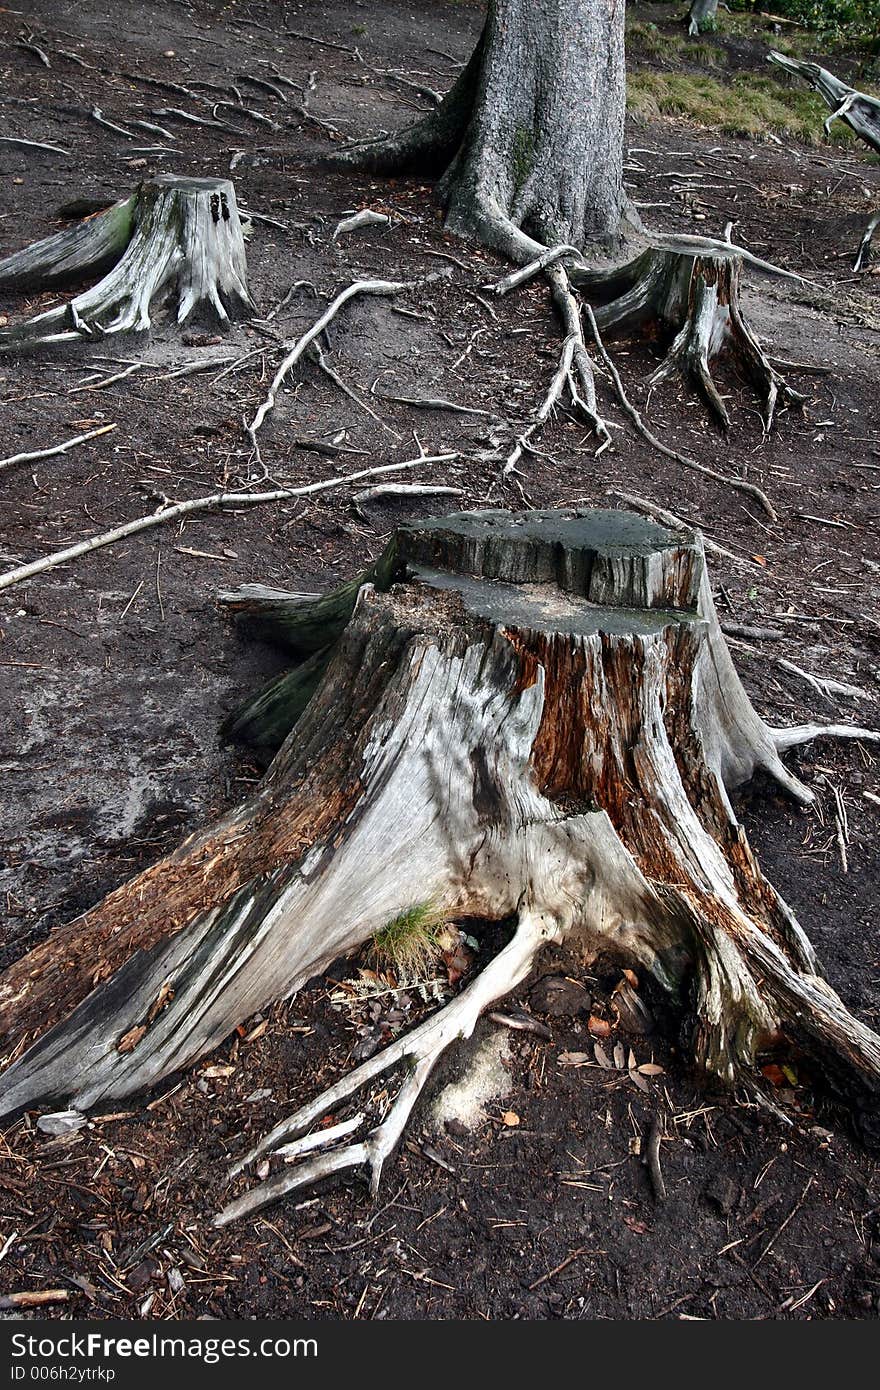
297, 348
806, 733
693, 293
865, 243
177, 235
419, 1051
739, 484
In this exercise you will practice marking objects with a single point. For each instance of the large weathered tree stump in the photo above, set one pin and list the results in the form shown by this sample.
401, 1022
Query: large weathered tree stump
530, 717
174, 236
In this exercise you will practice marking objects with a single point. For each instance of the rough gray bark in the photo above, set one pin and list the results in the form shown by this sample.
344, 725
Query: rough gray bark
861, 113
531, 135
175, 236
530, 716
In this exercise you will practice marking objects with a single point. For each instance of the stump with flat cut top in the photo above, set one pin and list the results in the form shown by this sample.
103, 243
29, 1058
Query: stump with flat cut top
525, 716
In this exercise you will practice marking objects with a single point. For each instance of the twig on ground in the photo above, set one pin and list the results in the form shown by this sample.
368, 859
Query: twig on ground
55, 449
203, 504
347, 390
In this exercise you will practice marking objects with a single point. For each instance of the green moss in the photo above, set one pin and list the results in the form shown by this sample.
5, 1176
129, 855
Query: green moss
408, 943
754, 106
523, 156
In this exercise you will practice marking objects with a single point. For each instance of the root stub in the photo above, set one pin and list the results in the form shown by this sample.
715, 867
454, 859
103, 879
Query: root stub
519, 716
179, 236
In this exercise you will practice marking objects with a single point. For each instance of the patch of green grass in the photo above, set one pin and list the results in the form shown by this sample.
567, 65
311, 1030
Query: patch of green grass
408, 943
647, 41
753, 106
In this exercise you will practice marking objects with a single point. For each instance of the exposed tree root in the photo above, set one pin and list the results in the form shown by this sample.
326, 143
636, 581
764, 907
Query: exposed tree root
860, 112
739, 484
175, 235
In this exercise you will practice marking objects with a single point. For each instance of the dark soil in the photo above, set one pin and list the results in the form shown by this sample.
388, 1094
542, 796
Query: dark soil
117, 672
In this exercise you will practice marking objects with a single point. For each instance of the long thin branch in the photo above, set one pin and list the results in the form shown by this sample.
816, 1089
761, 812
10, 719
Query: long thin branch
202, 504
751, 489
298, 348
56, 448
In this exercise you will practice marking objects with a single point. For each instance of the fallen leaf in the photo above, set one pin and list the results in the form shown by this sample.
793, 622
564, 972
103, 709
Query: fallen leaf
759, 559
638, 1226
573, 1059
599, 1027
602, 1057
510, 1118
639, 1081
774, 1074
619, 1056
650, 1069
220, 1069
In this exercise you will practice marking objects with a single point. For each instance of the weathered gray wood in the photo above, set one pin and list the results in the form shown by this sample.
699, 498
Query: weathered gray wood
702, 16
537, 718
176, 236
860, 112
695, 297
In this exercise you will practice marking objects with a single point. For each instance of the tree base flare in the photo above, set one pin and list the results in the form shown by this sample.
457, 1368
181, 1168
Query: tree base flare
520, 716
695, 296
179, 236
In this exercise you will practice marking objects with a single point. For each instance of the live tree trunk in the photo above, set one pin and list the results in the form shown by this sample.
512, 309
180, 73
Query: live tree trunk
530, 717
177, 237
530, 138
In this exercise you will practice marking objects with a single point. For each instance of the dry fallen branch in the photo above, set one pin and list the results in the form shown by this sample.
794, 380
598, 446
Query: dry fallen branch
202, 504
56, 448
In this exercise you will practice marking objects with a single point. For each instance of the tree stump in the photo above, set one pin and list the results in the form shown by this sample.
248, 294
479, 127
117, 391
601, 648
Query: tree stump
702, 17
694, 297
179, 236
530, 717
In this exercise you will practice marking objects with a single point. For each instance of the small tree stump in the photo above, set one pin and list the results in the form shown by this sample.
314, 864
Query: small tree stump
178, 237
694, 299
531, 716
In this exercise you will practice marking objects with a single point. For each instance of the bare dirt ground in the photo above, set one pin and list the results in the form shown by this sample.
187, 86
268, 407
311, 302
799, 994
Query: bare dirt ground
116, 672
